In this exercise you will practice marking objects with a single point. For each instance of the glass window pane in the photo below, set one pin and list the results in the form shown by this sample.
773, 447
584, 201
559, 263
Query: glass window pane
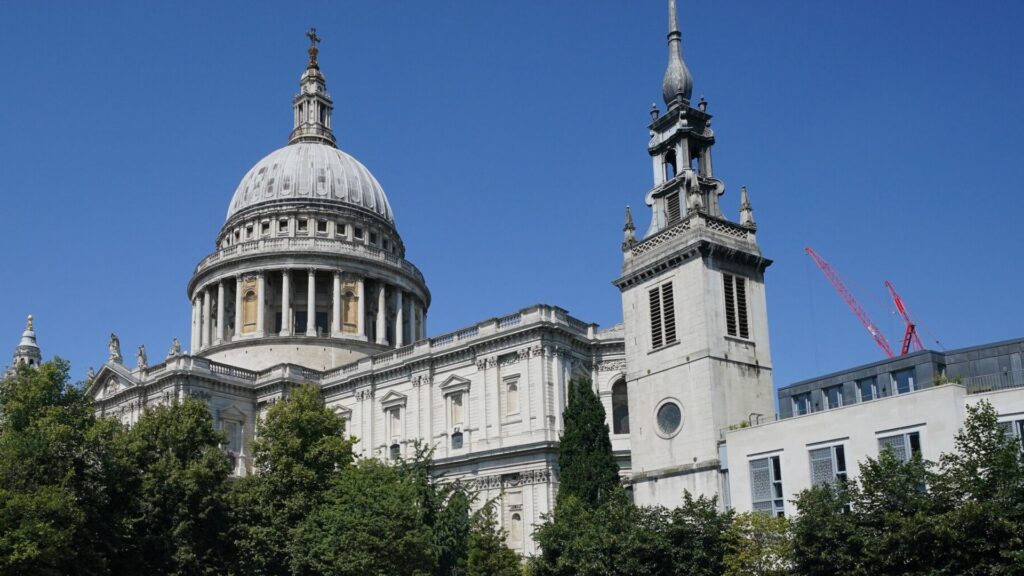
821, 466
760, 481
915, 443
903, 380
897, 443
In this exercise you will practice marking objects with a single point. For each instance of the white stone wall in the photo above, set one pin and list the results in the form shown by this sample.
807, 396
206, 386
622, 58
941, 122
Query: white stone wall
937, 413
717, 379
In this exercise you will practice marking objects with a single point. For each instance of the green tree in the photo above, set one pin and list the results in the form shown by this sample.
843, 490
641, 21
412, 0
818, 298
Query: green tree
981, 484
300, 447
487, 554
614, 539
369, 522
60, 497
586, 466
695, 532
827, 539
896, 515
179, 519
758, 545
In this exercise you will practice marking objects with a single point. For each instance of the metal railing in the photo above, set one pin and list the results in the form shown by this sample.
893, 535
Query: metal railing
993, 382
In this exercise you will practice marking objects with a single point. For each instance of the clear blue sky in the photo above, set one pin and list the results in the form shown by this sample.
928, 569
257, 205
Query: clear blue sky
509, 136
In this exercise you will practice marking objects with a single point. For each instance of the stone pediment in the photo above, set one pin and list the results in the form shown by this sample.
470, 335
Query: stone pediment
231, 413
110, 380
455, 383
392, 399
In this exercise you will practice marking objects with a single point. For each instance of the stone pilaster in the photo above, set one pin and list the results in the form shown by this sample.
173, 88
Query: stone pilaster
311, 304
286, 302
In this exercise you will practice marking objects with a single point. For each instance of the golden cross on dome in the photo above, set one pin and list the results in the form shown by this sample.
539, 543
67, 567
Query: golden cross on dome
313, 41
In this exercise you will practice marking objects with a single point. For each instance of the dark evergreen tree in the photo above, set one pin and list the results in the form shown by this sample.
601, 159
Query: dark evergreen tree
586, 466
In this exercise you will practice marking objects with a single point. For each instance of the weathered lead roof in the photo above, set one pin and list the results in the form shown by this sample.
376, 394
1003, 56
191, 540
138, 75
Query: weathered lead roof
309, 171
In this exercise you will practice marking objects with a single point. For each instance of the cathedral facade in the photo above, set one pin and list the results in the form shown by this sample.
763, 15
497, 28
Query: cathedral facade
308, 284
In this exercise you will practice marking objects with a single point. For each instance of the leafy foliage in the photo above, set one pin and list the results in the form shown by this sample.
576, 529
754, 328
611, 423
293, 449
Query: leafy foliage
58, 471
300, 448
586, 465
370, 522
758, 545
179, 517
487, 554
963, 516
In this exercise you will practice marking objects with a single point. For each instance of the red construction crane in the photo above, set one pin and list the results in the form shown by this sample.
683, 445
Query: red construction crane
911, 334
847, 297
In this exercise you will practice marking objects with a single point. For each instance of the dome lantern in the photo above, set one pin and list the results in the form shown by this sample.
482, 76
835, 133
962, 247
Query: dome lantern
312, 105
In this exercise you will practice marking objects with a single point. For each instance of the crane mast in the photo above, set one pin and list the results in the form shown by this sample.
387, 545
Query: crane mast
910, 335
847, 296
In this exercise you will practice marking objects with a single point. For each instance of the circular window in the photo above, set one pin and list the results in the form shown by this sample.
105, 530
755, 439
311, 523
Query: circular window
669, 417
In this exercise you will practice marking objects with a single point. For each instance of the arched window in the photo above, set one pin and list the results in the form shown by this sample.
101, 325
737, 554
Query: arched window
249, 310
396, 451
670, 165
515, 530
512, 398
350, 312
620, 408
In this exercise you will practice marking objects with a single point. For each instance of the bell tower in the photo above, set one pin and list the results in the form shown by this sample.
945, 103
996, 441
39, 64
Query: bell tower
696, 325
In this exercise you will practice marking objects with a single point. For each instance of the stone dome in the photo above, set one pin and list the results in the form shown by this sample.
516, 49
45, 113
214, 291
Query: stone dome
306, 172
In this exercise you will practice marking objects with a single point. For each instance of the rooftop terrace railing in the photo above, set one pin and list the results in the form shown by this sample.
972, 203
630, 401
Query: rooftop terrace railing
994, 382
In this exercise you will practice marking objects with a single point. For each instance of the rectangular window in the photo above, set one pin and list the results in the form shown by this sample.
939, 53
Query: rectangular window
373, 238
903, 381
801, 404
766, 486
282, 226
265, 228
1015, 430
672, 201
663, 315
248, 232
905, 445
340, 229
358, 232
833, 396
321, 226
455, 410
867, 388
828, 465
735, 290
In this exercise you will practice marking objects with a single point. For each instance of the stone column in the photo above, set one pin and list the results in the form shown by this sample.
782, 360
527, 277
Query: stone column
311, 304
238, 308
414, 318
286, 302
361, 328
399, 319
382, 331
195, 325
336, 304
220, 311
260, 294
204, 340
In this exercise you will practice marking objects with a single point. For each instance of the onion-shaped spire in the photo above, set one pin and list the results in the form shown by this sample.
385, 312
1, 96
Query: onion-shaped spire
678, 84
27, 352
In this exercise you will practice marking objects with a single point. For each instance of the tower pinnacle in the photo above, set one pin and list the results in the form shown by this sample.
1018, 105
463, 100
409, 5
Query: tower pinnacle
312, 105
27, 353
677, 86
